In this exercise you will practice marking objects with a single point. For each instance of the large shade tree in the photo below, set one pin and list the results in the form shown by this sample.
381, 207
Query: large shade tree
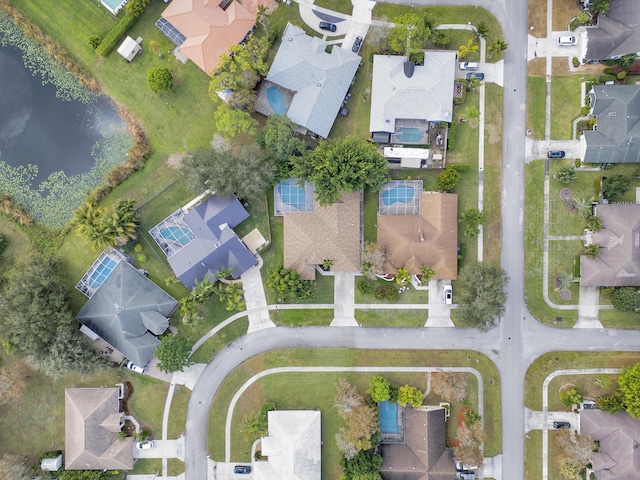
629, 389
244, 173
481, 295
341, 166
278, 139
409, 34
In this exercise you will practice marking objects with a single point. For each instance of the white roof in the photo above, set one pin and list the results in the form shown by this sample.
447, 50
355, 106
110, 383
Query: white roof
129, 48
426, 95
293, 447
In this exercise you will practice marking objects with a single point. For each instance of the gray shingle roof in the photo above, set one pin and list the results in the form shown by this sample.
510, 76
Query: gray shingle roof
319, 80
215, 245
617, 138
426, 95
120, 309
618, 263
616, 33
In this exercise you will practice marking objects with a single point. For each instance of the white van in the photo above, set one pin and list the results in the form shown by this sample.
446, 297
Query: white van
568, 41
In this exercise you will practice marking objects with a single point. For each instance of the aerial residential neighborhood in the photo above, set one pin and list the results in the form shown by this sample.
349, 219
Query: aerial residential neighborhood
326, 239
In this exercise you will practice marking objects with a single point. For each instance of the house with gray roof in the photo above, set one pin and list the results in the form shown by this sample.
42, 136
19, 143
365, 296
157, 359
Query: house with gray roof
92, 420
293, 447
618, 456
406, 97
200, 241
616, 138
128, 311
306, 82
616, 33
618, 263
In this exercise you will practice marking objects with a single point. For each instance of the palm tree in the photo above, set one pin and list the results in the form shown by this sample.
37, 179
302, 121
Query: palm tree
471, 112
482, 29
497, 47
582, 207
465, 50
262, 17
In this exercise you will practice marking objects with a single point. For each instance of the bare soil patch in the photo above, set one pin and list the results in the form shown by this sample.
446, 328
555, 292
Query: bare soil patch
538, 18
560, 66
563, 12
537, 67
494, 134
175, 160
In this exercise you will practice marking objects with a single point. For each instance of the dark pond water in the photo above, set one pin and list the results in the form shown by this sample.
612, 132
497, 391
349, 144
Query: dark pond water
39, 129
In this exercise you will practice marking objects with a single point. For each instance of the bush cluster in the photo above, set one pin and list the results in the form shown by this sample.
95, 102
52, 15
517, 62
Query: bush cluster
115, 34
451, 140
386, 292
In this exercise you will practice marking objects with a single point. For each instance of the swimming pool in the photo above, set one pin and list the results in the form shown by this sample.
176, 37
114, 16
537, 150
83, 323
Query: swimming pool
276, 100
389, 418
101, 272
293, 196
409, 135
182, 235
398, 194
114, 6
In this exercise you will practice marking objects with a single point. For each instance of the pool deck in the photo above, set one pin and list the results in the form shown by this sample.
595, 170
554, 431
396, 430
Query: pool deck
263, 106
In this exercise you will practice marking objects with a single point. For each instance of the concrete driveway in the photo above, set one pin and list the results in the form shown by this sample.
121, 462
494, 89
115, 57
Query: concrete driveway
536, 149
544, 420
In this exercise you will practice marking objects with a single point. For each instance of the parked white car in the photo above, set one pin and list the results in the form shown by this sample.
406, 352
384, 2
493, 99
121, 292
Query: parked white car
448, 294
469, 65
144, 445
136, 368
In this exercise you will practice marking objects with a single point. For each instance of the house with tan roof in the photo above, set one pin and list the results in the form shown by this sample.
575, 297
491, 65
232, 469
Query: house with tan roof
325, 232
92, 423
417, 228
203, 30
422, 452
618, 261
293, 447
618, 456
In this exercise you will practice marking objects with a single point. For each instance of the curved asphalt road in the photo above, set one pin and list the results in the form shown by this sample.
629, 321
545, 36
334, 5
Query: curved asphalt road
506, 345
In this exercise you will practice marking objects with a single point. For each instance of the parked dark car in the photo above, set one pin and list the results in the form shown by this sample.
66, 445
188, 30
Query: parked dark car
328, 26
475, 75
558, 425
356, 45
556, 154
242, 469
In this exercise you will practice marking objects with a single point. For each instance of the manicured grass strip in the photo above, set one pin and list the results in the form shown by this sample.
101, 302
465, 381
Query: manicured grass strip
585, 384
618, 319
302, 318
565, 104
553, 361
536, 106
561, 258
391, 318
492, 172
178, 413
533, 455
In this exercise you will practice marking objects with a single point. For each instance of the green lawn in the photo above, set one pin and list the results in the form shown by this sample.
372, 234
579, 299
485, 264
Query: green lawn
342, 6
306, 391
536, 106
409, 296
391, 318
553, 361
561, 258
533, 455
565, 104
208, 350
492, 172
585, 384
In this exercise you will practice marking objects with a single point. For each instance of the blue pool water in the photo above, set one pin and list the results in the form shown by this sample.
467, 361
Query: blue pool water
292, 195
276, 100
178, 234
409, 135
401, 193
101, 272
389, 418
113, 5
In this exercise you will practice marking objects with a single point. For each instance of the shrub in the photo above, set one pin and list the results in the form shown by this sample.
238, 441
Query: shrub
451, 139
593, 250
142, 258
617, 69
159, 79
3, 243
593, 223
94, 41
608, 71
565, 175
448, 178
364, 287
626, 299
621, 75
115, 35
575, 61
606, 78
440, 38
137, 7
609, 62
570, 397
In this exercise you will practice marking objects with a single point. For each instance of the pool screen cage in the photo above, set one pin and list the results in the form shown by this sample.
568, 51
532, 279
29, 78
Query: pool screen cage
174, 222
289, 196
400, 197
99, 271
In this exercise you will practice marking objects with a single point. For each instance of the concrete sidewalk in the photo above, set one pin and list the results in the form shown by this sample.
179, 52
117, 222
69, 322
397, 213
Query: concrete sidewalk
255, 297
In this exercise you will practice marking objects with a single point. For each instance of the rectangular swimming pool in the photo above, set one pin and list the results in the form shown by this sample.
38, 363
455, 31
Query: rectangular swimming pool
389, 418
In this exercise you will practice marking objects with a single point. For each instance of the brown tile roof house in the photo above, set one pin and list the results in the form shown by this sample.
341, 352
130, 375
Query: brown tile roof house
210, 27
92, 423
331, 232
424, 454
429, 238
618, 263
619, 437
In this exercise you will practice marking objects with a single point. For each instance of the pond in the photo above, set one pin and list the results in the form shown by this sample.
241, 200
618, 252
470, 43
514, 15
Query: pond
57, 140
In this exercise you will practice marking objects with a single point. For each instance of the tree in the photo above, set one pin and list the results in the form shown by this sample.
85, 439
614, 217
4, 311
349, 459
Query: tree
440, 38
472, 219
497, 47
471, 112
471, 418
373, 257
593, 223
286, 283
136, 7
365, 465
232, 294
361, 420
427, 272
448, 179
403, 277
626, 299
451, 386
599, 7
616, 186
592, 251
610, 403
173, 353
262, 17
379, 388
230, 122
409, 395
566, 175
482, 29
482, 297
159, 79
278, 139
245, 174
464, 50
582, 207
409, 34
575, 449
629, 388
339, 166
104, 227
570, 396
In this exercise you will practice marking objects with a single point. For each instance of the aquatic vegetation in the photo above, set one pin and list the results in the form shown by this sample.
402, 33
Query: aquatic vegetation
39, 62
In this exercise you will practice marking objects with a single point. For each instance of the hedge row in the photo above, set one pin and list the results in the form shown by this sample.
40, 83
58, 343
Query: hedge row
115, 35
451, 140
